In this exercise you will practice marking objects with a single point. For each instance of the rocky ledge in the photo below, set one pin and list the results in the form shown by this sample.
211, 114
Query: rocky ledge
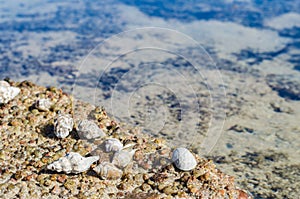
29, 145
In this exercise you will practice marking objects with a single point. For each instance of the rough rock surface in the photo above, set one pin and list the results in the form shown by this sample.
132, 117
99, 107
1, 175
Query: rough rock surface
28, 146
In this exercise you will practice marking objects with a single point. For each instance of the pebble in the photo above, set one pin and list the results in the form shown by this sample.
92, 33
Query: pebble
183, 159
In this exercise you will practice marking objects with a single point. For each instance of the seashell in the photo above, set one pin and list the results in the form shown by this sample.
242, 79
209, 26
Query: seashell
108, 170
112, 145
72, 163
43, 104
7, 92
183, 159
122, 158
63, 125
4, 84
89, 130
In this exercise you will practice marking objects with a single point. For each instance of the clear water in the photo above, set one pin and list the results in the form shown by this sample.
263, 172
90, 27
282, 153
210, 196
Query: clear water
187, 70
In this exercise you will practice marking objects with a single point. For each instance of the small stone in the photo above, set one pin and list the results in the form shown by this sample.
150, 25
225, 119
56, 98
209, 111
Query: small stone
56, 190
170, 190
183, 159
146, 187
61, 178
193, 189
69, 184
47, 182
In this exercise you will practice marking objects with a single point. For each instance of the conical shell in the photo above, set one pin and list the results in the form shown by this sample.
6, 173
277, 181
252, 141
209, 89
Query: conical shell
112, 145
122, 158
108, 170
63, 125
7, 92
72, 163
183, 159
89, 130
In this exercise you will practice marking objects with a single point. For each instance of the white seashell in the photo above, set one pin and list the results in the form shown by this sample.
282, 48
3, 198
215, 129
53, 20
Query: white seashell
89, 130
7, 92
183, 159
123, 158
4, 84
108, 170
72, 163
63, 125
43, 104
112, 145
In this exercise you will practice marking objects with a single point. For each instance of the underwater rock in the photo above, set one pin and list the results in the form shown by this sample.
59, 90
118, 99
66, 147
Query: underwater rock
108, 170
72, 163
63, 125
112, 145
183, 159
89, 130
287, 86
7, 92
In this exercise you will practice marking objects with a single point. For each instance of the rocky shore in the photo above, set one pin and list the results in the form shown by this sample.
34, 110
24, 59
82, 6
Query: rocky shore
28, 144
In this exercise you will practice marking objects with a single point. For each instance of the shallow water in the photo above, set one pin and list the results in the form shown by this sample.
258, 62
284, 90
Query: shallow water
221, 78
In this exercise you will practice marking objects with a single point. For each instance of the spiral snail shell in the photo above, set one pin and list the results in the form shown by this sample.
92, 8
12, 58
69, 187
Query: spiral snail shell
89, 130
72, 163
63, 125
112, 145
122, 158
108, 170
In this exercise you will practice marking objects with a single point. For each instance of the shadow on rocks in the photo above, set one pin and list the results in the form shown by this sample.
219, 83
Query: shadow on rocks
47, 130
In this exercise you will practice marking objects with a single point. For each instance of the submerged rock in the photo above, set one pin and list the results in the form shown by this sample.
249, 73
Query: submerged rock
287, 86
72, 163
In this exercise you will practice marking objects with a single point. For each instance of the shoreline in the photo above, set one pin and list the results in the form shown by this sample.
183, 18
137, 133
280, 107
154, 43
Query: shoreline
28, 145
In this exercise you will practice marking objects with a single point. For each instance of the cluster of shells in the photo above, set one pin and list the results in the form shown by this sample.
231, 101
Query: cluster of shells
75, 163
44, 129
